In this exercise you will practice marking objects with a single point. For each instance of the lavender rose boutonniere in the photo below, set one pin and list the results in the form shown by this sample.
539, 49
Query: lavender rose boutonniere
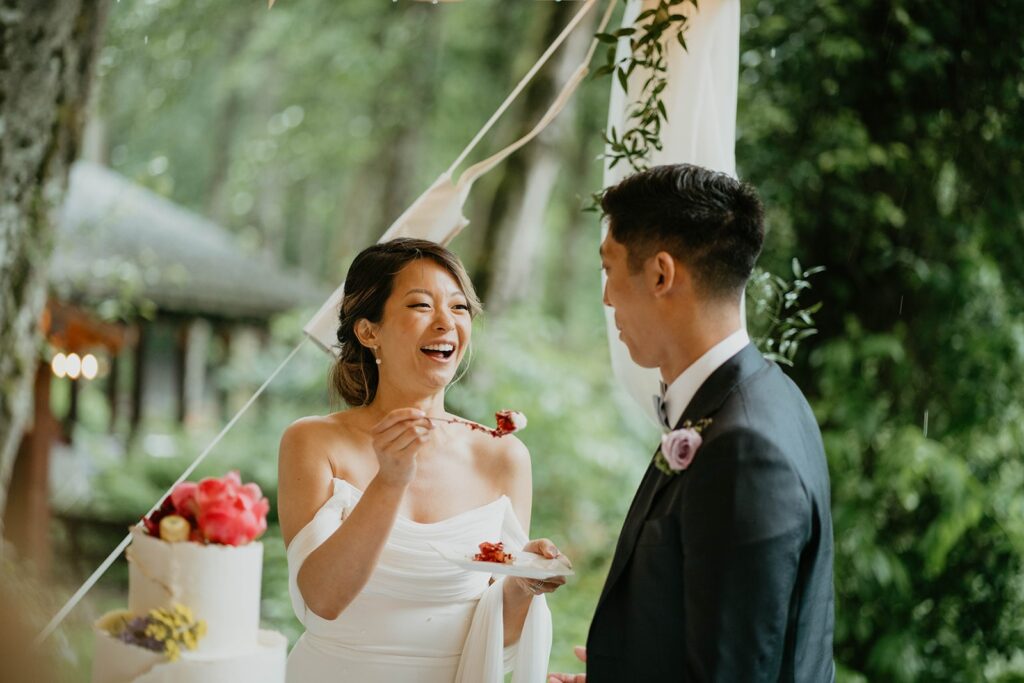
679, 447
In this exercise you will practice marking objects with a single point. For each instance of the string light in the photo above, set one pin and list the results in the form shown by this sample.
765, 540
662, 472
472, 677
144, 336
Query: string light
59, 365
90, 366
73, 365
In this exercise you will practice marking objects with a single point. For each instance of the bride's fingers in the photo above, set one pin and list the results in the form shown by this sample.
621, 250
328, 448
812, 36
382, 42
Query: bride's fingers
542, 546
397, 416
401, 425
554, 582
580, 652
550, 586
414, 436
387, 438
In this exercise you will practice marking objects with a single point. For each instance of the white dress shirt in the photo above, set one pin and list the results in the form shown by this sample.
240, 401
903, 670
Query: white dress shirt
678, 395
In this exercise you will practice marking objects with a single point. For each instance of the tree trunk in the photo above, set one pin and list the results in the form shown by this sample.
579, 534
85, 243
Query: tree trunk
378, 193
573, 238
46, 66
516, 221
226, 126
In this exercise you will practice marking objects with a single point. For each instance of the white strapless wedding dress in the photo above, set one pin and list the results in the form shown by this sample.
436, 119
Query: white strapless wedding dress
420, 619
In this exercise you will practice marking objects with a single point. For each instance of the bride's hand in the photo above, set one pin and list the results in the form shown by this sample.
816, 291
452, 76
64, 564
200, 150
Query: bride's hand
396, 440
544, 548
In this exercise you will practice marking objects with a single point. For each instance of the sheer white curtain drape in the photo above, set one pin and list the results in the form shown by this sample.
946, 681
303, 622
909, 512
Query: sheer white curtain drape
700, 100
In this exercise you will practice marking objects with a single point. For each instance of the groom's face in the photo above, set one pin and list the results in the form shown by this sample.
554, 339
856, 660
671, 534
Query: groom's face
626, 292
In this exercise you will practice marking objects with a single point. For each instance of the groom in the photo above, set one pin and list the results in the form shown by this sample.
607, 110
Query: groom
723, 569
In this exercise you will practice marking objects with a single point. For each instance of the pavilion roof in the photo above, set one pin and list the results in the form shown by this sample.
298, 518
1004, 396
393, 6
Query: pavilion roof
119, 239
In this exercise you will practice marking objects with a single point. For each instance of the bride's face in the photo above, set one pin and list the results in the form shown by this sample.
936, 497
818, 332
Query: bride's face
425, 329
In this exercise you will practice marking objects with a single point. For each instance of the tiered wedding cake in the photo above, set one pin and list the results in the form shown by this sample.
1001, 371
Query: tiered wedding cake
194, 594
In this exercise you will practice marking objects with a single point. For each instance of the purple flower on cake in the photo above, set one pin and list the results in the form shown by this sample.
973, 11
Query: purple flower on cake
679, 447
166, 630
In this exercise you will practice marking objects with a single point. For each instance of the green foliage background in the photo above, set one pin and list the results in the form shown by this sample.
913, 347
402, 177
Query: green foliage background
887, 141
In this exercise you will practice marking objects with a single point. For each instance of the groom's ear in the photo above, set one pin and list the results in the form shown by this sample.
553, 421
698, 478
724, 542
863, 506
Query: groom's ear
662, 273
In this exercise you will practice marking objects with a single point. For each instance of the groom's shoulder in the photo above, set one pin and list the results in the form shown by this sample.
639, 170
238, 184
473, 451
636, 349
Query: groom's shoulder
768, 419
765, 408
770, 403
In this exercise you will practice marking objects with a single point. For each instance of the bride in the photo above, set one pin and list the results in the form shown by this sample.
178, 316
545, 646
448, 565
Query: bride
364, 493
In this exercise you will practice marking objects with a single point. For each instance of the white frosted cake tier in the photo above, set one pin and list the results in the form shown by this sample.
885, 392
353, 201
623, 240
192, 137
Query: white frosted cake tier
219, 583
117, 662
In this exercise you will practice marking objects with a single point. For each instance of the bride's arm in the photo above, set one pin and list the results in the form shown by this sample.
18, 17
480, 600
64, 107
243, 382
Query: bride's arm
334, 573
517, 595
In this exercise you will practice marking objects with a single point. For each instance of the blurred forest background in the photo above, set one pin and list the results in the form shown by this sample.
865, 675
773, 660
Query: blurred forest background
887, 140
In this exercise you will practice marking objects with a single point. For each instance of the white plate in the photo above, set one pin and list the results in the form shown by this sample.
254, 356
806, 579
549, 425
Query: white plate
525, 565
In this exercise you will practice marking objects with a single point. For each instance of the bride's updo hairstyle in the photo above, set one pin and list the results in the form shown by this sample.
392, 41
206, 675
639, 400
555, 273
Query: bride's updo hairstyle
369, 283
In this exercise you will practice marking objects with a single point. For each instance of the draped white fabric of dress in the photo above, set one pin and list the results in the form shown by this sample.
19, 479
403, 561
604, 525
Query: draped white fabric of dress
419, 619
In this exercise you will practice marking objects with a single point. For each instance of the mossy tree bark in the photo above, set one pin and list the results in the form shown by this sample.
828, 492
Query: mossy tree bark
47, 52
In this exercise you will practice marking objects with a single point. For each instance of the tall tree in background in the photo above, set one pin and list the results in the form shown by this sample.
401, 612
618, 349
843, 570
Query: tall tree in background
510, 237
514, 261
48, 50
385, 186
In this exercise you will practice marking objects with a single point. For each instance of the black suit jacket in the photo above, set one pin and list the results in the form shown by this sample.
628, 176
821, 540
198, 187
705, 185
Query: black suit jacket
723, 572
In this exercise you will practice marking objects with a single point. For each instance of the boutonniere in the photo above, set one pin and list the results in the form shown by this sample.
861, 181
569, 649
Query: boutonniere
679, 447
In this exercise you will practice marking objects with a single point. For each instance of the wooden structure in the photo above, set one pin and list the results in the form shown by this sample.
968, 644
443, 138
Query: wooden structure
174, 282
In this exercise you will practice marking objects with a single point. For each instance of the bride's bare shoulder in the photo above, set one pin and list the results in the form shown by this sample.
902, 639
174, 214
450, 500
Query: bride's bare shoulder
505, 457
333, 426
306, 464
318, 433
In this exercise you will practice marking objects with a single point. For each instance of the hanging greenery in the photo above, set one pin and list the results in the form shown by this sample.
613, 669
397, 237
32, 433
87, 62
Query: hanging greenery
779, 320
650, 39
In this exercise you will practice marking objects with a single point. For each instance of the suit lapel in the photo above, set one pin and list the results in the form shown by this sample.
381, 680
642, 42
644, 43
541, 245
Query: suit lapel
631, 526
708, 399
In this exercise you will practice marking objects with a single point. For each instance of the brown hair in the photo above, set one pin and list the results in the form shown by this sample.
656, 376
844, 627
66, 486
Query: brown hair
368, 285
710, 221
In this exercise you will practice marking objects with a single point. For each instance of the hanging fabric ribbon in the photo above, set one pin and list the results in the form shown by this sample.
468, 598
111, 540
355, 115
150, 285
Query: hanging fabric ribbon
437, 214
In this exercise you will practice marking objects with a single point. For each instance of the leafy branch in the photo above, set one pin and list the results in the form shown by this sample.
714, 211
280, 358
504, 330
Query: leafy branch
777, 307
649, 44
775, 301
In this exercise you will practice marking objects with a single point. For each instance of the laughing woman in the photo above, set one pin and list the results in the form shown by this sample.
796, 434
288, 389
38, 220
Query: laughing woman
366, 492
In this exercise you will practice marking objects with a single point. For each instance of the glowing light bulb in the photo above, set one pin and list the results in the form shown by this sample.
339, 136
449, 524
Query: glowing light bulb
59, 365
73, 365
90, 366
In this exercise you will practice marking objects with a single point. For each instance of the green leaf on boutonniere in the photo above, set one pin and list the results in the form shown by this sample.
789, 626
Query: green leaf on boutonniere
662, 464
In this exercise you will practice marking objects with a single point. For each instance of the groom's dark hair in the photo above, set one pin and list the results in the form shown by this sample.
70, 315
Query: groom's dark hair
709, 221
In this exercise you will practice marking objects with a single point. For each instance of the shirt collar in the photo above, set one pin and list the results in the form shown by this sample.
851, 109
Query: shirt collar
682, 390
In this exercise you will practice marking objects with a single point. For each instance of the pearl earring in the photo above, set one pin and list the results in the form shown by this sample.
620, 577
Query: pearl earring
377, 358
